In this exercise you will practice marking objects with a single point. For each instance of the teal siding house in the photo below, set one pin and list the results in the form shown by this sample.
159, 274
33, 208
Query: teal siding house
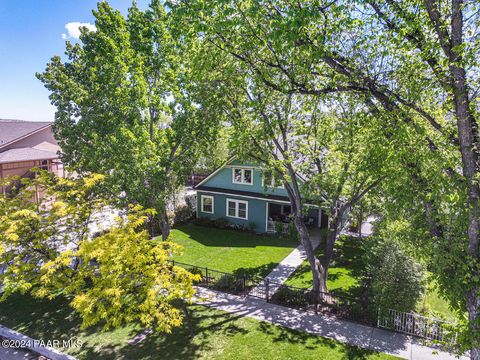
246, 195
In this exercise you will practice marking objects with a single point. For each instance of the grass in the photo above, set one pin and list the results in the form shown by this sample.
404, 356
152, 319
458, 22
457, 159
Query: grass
231, 251
218, 335
344, 277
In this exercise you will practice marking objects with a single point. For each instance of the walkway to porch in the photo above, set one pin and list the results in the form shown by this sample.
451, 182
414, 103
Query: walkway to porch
288, 265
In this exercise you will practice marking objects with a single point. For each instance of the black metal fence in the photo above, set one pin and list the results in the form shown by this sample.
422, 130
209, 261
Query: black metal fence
219, 280
299, 298
325, 303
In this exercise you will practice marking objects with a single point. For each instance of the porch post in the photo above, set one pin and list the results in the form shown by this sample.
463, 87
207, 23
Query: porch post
319, 223
266, 216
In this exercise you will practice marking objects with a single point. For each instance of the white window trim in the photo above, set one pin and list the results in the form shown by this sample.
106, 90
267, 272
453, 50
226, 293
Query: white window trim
237, 208
242, 181
272, 184
202, 197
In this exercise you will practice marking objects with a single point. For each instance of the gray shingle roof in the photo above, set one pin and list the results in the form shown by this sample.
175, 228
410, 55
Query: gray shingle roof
25, 154
11, 130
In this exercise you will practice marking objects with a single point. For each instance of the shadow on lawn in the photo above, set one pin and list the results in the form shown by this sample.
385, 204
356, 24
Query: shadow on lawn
347, 263
178, 344
55, 320
213, 332
231, 238
312, 342
258, 272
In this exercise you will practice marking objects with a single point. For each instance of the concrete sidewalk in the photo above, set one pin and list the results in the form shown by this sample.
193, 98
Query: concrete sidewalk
287, 266
344, 331
31, 348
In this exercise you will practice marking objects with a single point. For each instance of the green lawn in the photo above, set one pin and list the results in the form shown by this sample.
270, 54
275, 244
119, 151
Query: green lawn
218, 335
231, 251
343, 276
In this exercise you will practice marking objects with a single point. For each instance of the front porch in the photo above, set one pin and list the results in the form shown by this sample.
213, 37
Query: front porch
279, 217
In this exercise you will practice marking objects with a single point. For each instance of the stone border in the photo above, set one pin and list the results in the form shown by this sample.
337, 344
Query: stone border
46, 351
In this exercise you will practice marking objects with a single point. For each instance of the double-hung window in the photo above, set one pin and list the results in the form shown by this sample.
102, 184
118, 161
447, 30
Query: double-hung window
237, 209
242, 176
207, 204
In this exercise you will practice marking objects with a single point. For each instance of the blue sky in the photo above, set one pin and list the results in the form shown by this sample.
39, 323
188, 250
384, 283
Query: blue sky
31, 32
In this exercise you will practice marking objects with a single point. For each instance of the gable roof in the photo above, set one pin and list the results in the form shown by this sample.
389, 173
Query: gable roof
13, 130
25, 154
228, 162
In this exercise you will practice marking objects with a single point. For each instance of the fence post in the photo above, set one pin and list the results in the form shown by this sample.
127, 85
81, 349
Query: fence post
267, 289
378, 317
206, 275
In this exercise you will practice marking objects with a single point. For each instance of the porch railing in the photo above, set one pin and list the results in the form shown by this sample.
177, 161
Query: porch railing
274, 226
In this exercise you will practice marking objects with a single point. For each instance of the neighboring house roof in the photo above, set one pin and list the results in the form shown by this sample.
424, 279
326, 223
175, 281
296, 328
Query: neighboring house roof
13, 130
25, 154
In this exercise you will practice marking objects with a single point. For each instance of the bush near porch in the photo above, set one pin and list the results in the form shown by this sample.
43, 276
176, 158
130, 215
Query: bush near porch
241, 253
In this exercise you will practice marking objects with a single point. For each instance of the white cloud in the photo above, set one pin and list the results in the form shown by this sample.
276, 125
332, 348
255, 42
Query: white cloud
73, 29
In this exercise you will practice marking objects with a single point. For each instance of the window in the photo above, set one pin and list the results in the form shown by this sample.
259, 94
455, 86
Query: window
242, 176
44, 165
269, 180
207, 204
237, 209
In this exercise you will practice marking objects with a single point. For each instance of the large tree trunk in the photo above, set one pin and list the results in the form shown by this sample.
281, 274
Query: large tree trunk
309, 251
164, 224
467, 135
333, 228
297, 208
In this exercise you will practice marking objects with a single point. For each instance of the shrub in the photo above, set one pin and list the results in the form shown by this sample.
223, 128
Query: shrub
279, 228
221, 223
191, 202
394, 279
203, 221
290, 297
292, 231
229, 283
252, 226
183, 213
196, 271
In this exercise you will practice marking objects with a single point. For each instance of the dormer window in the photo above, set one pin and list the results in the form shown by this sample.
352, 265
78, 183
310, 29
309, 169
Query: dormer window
242, 176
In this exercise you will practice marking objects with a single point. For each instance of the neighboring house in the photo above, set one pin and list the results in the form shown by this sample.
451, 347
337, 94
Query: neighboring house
244, 194
25, 145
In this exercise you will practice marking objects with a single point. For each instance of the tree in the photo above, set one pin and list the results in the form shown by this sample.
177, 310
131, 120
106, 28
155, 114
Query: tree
415, 60
126, 108
328, 158
116, 278
395, 279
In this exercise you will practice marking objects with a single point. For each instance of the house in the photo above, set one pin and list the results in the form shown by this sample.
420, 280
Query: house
25, 145
246, 195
